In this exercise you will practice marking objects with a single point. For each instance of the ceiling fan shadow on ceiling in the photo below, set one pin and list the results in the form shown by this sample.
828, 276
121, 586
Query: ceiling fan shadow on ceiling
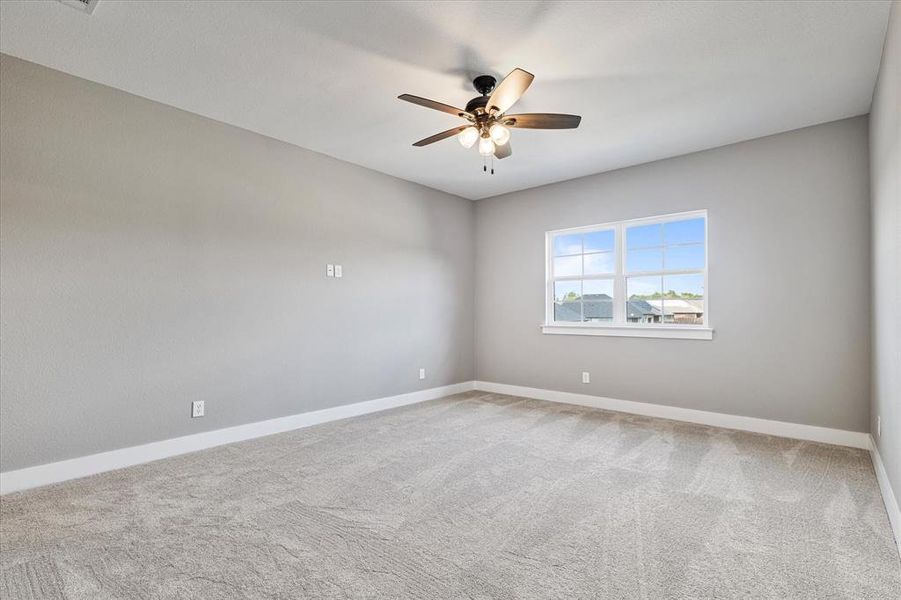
488, 124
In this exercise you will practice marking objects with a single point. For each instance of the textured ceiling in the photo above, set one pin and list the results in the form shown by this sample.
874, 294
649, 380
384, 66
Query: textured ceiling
651, 80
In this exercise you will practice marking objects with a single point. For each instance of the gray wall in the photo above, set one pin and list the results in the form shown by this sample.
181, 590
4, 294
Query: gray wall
789, 281
151, 257
885, 183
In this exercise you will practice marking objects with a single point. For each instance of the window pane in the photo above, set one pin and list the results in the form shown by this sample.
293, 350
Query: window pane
644, 260
567, 304
567, 291
567, 265
685, 257
598, 264
683, 232
597, 296
597, 289
683, 299
683, 312
644, 288
684, 286
567, 244
644, 236
599, 241
643, 311
599, 311
568, 311
644, 303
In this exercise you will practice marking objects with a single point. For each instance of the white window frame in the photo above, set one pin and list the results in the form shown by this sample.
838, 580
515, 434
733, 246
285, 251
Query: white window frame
620, 326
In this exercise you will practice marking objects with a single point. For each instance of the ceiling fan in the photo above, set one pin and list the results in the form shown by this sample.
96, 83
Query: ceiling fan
488, 122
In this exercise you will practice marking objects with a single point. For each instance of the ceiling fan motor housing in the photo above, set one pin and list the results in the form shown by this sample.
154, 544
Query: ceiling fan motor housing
479, 102
484, 84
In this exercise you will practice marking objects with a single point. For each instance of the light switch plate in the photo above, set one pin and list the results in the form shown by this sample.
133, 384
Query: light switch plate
339, 272
422, 373
329, 270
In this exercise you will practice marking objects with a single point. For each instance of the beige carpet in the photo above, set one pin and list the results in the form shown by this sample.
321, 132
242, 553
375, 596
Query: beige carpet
472, 496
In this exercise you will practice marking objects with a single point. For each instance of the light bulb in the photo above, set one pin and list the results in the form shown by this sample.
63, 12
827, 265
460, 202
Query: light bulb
468, 137
499, 133
486, 146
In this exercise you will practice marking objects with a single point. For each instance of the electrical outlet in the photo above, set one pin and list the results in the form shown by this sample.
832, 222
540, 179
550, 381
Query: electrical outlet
329, 270
878, 427
586, 377
196, 409
422, 373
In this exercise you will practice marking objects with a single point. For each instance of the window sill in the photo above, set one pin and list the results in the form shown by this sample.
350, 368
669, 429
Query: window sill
644, 331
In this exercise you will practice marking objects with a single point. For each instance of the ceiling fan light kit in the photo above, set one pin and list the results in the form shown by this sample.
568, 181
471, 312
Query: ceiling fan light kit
468, 137
487, 119
500, 135
486, 146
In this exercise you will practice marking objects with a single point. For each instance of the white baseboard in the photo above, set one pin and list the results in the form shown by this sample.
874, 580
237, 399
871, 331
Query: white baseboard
888, 496
22, 479
854, 439
31, 477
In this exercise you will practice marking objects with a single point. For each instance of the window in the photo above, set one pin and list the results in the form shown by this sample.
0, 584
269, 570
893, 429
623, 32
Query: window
645, 277
584, 265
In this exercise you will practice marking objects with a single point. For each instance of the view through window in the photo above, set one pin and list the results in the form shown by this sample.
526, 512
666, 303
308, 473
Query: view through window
644, 271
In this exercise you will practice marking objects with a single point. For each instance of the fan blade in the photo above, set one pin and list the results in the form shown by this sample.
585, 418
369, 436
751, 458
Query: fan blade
459, 112
503, 151
440, 136
509, 91
542, 121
